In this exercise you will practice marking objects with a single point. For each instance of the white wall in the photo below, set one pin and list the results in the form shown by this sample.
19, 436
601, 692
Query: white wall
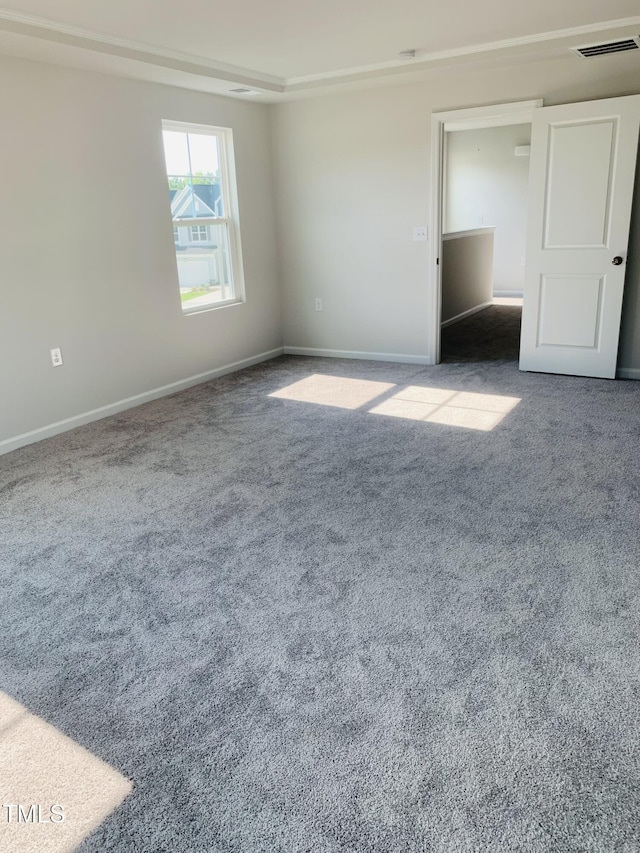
486, 184
352, 176
88, 260
467, 273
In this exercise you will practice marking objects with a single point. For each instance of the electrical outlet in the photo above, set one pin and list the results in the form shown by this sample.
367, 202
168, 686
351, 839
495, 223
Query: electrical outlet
318, 304
56, 357
420, 233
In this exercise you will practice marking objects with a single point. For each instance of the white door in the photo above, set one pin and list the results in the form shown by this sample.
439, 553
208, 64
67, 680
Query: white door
583, 161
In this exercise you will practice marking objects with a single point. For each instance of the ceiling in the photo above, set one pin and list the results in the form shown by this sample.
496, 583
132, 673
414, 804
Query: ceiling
291, 47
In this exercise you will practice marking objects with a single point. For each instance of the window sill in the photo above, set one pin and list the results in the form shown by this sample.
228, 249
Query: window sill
201, 309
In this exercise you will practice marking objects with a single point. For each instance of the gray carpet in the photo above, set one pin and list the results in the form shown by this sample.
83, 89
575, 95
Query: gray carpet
489, 335
299, 627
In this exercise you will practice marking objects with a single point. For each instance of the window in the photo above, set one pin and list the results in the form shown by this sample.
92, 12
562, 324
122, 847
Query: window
203, 200
200, 233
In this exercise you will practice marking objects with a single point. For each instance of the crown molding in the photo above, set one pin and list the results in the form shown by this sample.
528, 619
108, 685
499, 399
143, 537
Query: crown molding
43, 28
425, 59
152, 55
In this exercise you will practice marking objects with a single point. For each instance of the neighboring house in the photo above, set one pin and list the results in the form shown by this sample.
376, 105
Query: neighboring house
197, 251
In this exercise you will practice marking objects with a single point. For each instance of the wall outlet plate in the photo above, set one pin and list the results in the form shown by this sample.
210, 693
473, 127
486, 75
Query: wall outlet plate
56, 356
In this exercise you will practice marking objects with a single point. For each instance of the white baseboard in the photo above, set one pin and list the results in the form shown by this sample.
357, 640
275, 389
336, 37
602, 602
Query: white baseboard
508, 294
628, 373
367, 356
465, 314
50, 430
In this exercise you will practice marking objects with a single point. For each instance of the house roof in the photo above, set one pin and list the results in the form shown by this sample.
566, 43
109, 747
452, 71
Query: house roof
199, 200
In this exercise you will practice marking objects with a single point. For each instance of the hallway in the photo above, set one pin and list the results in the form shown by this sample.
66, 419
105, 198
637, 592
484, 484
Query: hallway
489, 335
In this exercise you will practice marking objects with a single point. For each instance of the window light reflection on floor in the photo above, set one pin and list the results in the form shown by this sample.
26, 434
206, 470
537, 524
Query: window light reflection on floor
336, 391
465, 409
451, 408
55, 793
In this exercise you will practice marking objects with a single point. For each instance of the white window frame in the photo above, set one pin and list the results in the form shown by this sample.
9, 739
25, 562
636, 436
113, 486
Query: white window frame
229, 193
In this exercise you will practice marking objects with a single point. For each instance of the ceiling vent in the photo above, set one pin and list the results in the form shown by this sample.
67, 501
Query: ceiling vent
608, 47
241, 91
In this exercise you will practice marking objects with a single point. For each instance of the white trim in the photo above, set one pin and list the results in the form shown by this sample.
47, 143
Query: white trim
229, 197
465, 314
209, 306
125, 47
472, 232
484, 47
434, 273
365, 356
628, 373
53, 31
494, 115
519, 112
201, 220
192, 127
229, 189
56, 428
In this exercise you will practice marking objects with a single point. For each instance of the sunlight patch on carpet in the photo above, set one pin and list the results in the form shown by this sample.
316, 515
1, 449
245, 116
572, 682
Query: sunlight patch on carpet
450, 408
336, 391
53, 792
444, 406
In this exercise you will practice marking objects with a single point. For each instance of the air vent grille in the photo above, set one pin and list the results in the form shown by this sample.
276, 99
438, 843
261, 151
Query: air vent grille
608, 47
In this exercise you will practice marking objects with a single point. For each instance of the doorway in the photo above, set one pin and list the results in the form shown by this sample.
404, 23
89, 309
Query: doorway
583, 163
484, 216
463, 206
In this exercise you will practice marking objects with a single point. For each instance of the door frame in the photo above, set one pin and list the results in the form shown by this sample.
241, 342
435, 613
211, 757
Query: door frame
474, 118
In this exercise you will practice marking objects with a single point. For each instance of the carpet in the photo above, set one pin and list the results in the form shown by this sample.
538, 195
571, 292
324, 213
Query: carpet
490, 335
325, 605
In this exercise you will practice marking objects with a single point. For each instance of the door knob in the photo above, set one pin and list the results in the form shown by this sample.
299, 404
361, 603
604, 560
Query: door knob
617, 261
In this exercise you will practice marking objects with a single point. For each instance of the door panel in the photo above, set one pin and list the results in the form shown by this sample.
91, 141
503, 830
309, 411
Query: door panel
560, 323
578, 193
583, 159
